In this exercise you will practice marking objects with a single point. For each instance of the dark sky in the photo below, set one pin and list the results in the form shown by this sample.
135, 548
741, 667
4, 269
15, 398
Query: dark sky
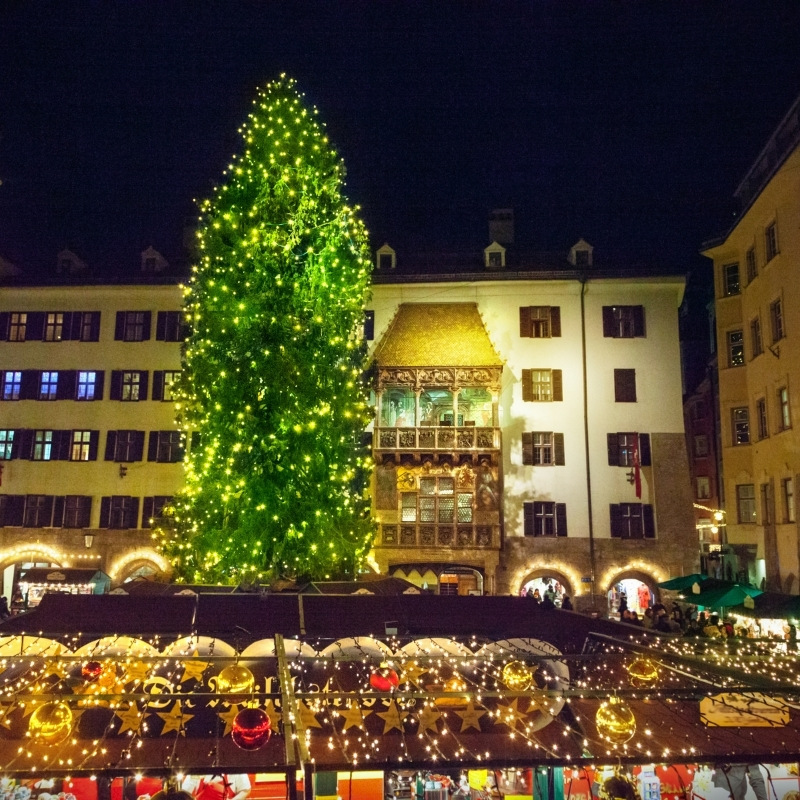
627, 123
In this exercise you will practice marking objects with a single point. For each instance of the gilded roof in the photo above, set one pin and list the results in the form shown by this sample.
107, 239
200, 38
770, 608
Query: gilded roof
437, 335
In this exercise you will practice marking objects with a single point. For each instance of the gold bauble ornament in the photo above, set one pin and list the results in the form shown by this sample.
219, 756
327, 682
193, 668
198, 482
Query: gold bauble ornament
50, 723
236, 682
517, 676
615, 721
452, 685
642, 672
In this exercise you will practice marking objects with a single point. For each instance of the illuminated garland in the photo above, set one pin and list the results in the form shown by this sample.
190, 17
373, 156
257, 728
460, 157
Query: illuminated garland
272, 394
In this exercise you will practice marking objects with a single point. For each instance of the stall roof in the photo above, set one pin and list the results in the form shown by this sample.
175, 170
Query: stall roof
72, 575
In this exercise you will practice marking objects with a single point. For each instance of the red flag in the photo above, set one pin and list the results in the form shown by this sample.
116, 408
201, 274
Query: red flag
637, 472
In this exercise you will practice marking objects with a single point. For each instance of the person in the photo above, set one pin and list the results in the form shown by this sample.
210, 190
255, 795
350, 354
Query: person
4, 612
661, 623
623, 604
566, 603
547, 603
734, 778
647, 618
217, 787
529, 593
537, 598
791, 639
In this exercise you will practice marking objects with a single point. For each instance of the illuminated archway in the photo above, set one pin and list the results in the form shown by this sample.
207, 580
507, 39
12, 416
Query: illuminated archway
634, 577
545, 566
129, 563
33, 551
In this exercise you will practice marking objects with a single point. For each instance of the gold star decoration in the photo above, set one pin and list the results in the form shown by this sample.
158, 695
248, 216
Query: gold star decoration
5, 714
428, 718
193, 669
412, 672
174, 719
391, 717
354, 716
136, 672
131, 718
307, 716
57, 668
510, 715
274, 715
228, 717
470, 718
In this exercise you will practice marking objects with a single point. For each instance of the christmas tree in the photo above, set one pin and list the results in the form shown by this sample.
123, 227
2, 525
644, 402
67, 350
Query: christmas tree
271, 396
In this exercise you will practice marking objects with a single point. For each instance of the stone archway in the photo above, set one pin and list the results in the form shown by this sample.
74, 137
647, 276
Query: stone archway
128, 565
632, 579
32, 551
548, 572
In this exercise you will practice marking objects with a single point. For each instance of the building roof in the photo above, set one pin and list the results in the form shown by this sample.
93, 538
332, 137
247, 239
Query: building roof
437, 334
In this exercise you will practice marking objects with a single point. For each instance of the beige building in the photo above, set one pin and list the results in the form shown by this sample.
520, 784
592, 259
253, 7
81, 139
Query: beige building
758, 338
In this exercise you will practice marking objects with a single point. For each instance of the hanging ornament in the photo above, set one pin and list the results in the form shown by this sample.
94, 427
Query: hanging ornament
92, 670
384, 679
615, 721
50, 723
619, 787
251, 728
454, 686
108, 675
236, 682
642, 671
517, 676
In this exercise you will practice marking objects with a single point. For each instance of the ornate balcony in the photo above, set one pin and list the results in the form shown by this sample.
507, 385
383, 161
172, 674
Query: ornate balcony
437, 438
445, 536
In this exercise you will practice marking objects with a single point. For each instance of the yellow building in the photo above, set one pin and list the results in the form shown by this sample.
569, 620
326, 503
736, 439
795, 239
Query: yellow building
756, 273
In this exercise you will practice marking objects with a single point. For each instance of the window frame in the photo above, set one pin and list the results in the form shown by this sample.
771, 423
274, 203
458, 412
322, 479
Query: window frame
784, 408
625, 386
771, 245
751, 264
701, 452
762, 420
756, 341
740, 428
632, 521
48, 385
38, 511
17, 326
539, 515
702, 487
776, 320
539, 322
43, 444
731, 280
535, 450
734, 343
11, 389
7, 449
746, 504
554, 382
787, 493
624, 322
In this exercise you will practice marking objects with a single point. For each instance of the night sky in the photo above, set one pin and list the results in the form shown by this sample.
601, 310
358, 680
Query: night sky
627, 123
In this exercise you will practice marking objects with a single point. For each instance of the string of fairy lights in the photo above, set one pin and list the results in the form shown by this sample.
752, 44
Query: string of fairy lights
271, 391
77, 707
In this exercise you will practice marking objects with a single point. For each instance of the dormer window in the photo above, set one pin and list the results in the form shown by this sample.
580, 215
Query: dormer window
581, 254
153, 261
385, 258
69, 263
494, 256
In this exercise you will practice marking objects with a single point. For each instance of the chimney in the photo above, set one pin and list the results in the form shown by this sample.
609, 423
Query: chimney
501, 226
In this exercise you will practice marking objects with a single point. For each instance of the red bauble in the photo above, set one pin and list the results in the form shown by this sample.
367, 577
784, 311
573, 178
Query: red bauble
251, 728
384, 679
92, 670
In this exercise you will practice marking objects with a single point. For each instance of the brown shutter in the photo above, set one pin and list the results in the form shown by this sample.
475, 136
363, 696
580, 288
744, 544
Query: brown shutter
158, 384
558, 387
147, 511
527, 389
67, 382
616, 520
94, 440
648, 521
608, 321
144, 377
644, 449
58, 512
34, 330
161, 326
99, 384
625, 385
116, 385
561, 519
148, 323
5, 317
613, 449
555, 320
527, 449
152, 446
105, 512
119, 326
138, 446
111, 446
525, 324
558, 449
528, 519
638, 321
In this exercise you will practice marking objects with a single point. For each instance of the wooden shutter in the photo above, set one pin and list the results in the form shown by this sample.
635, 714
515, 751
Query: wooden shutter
94, 442
62, 446
26, 447
48, 511
561, 519
528, 517
638, 321
66, 330
558, 385
16, 444
555, 320
527, 449
608, 321
525, 322
67, 383
132, 515
616, 520
75, 325
119, 326
613, 449
13, 510
111, 446
138, 446
152, 446
158, 384
29, 387
147, 511
558, 449
648, 521
99, 384
5, 317
85, 518
58, 511
161, 326
148, 321
527, 388
144, 377
369, 325
34, 330
95, 326
644, 450
115, 392
105, 512
625, 385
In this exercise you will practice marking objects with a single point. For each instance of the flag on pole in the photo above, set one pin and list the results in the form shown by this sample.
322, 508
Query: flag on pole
637, 472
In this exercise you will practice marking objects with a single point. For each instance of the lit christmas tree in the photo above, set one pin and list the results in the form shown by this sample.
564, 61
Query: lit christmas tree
272, 393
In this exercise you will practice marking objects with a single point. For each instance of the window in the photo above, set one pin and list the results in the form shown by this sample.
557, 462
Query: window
623, 322
436, 502
12, 509
776, 318
119, 512
622, 446
787, 491
164, 382
544, 518
783, 408
38, 511
369, 325
740, 418
6, 444
77, 511
735, 349
699, 410
543, 449
153, 509
542, 385
771, 241
703, 488
132, 326
165, 446
746, 502
54, 326
700, 445
87, 385
17, 326
85, 326
625, 385
130, 386
730, 279
761, 418
752, 270
81, 446
124, 445
48, 385
539, 322
131, 382
170, 326
632, 521
755, 337
12, 384
42, 446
